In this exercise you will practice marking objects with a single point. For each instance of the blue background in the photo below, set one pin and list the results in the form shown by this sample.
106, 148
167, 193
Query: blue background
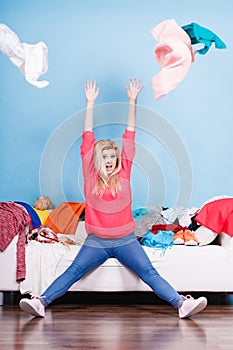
111, 41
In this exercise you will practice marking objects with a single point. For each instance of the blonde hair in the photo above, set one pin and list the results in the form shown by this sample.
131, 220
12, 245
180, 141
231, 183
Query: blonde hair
104, 180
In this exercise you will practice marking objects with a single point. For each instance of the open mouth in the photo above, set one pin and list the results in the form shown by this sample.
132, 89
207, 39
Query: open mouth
108, 168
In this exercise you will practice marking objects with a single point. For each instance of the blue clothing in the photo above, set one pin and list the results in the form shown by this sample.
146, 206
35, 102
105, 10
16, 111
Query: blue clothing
161, 240
199, 34
96, 251
139, 213
33, 214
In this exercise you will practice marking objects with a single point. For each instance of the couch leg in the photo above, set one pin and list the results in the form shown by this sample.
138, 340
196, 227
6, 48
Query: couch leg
1, 298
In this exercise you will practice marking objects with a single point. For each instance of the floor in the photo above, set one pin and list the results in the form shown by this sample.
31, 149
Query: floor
116, 327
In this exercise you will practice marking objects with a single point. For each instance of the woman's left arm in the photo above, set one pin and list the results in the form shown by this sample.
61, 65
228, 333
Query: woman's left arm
133, 91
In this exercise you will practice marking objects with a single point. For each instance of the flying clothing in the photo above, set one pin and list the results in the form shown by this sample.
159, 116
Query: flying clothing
199, 34
32, 60
174, 53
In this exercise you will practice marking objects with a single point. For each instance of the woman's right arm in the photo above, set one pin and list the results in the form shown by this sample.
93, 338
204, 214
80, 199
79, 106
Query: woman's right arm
91, 95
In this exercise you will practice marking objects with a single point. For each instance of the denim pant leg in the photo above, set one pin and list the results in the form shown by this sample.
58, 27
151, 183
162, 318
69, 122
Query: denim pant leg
134, 257
88, 259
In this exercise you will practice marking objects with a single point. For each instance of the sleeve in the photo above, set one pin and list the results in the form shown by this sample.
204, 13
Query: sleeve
88, 143
128, 150
87, 150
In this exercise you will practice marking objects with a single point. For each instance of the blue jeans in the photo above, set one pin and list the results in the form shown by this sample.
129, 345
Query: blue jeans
96, 251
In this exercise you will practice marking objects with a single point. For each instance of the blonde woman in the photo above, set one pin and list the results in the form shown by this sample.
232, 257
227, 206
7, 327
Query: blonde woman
108, 215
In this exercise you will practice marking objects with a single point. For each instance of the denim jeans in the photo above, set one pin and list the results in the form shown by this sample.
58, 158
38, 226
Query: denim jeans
96, 251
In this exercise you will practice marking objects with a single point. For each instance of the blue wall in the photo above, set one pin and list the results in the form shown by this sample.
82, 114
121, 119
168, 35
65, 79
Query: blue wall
184, 140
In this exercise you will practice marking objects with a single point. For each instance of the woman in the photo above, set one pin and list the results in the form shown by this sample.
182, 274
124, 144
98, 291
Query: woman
108, 215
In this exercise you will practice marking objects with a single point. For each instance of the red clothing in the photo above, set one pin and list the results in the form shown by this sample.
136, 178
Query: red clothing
13, 221
217, 216
167, 227
106, 215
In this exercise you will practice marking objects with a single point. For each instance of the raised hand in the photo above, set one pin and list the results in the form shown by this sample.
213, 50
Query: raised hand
91, 91
134, 89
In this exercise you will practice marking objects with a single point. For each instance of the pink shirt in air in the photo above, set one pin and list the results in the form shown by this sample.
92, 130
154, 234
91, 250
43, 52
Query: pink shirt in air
108, 216
174, 53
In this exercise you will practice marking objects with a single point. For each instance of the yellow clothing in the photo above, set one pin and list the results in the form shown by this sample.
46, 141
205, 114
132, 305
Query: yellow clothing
43, 214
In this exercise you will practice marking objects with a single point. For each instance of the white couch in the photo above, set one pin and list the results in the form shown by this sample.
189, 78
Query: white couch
201, 268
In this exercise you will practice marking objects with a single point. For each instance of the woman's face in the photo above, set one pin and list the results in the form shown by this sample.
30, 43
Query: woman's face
109, 160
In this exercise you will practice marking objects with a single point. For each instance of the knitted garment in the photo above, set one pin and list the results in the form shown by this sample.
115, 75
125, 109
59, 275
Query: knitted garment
13, 221
174, 53
199, 34
146, 222
106, 215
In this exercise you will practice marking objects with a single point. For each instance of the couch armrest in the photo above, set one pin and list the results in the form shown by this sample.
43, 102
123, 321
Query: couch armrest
226, 241
8, 267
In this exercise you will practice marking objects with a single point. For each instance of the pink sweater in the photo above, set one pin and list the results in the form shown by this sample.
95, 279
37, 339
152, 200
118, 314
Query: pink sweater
108, 216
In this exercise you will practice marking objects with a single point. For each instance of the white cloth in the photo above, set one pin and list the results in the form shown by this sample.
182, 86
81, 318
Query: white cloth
32, 60
184, 215
42, 260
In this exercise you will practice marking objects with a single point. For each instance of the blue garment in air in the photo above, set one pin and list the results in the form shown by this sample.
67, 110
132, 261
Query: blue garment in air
199, 34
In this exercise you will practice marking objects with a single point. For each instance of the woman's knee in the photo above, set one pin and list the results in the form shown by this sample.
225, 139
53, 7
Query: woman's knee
149, 272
